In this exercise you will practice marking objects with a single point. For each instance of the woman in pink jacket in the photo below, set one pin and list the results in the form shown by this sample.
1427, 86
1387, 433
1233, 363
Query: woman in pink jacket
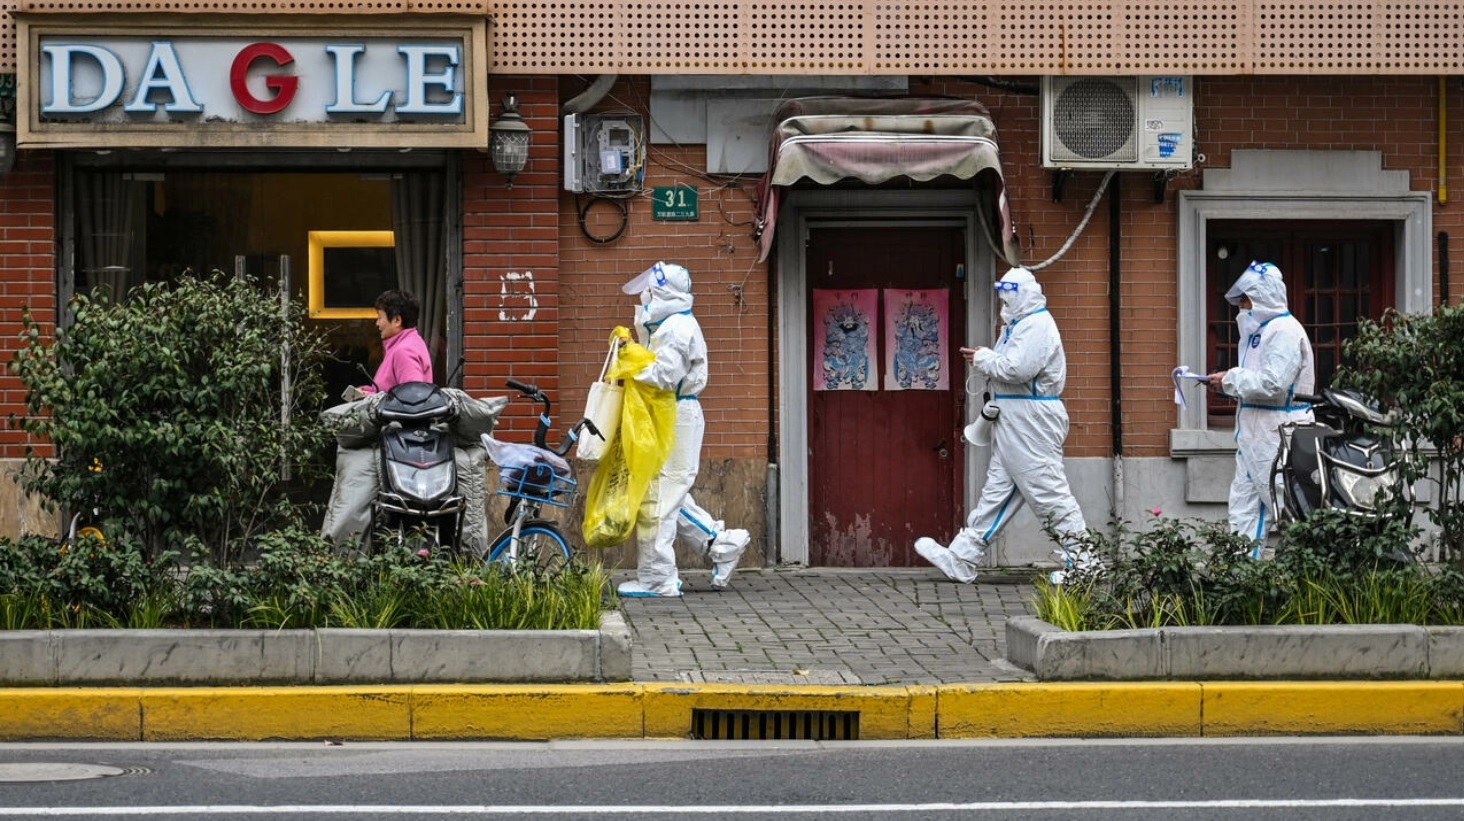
404, 354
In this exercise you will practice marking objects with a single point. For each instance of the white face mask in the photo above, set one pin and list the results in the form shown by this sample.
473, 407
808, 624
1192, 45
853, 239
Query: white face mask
1248, 324
646, 297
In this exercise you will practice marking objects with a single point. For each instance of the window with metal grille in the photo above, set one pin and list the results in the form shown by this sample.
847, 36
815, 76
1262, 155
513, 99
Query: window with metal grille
1336, 272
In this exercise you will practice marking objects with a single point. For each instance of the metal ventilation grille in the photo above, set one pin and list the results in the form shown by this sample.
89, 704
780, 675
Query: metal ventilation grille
935, 37
1093, 119
948, 37
1122, 38
775, 725
1388, 37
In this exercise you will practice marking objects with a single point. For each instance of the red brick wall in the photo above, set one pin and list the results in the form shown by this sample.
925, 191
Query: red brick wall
511, 269
733, 304
27, 276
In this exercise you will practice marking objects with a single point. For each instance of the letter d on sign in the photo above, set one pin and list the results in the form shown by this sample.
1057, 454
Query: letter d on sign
62, 94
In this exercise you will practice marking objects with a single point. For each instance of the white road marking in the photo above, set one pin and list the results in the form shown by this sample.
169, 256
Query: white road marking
768, 809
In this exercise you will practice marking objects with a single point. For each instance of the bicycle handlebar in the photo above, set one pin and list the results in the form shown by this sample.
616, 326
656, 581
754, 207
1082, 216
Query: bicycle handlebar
541, 430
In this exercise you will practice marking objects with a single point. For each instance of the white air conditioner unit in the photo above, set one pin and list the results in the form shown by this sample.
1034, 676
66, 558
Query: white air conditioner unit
1121, 123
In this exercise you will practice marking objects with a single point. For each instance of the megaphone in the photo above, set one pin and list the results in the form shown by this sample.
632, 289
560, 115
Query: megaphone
979, 431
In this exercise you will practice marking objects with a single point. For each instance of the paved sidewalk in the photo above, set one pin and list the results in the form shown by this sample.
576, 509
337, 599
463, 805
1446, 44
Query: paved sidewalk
882, 626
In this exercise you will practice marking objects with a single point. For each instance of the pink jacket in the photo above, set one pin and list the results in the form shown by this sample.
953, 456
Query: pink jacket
404, 359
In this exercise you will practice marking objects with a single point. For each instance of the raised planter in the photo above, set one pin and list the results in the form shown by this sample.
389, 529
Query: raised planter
325, 656
1365, 651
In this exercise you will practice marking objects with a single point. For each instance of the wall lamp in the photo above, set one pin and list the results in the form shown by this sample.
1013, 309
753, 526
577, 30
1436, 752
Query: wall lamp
508, 140
7, 146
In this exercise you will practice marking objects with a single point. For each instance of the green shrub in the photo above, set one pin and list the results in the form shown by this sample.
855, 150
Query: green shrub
1330, 569
166, 414
83, 582
1175, 572
298, 581
1333, 543
1414, 365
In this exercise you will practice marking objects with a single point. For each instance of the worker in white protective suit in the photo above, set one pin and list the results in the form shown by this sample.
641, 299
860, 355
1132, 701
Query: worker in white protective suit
1025, 372
665, 325
1276, 363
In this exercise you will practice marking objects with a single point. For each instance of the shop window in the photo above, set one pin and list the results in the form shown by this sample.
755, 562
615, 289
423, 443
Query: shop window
373, 231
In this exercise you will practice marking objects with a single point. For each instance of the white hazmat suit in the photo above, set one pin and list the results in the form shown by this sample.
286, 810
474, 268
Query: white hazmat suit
665, 325
1026, 371
1276, 363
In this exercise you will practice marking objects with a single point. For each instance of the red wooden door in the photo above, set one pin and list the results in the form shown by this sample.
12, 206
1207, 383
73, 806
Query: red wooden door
885, 465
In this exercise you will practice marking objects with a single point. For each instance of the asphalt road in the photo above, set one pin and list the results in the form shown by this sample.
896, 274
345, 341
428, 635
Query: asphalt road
1179, 780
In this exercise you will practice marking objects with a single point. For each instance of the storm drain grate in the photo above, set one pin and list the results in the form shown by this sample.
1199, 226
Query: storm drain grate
775, 725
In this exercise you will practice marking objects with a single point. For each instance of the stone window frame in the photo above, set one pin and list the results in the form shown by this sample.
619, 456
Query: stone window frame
1291, 185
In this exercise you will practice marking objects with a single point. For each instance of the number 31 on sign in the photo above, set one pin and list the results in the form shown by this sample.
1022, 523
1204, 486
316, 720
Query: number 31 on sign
674, 202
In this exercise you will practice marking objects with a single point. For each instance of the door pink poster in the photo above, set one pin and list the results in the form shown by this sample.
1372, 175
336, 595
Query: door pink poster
916, 324
844, 356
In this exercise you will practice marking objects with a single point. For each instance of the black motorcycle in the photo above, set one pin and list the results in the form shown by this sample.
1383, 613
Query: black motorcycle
1340, 461
418, 488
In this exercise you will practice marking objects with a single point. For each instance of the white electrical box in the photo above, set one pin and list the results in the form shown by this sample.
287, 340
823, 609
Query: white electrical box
1120, 123
604, 153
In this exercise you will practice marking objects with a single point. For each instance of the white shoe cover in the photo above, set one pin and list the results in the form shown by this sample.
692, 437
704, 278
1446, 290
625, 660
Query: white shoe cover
725, 552
955, 568
636, 590
1082, 561
1077, 559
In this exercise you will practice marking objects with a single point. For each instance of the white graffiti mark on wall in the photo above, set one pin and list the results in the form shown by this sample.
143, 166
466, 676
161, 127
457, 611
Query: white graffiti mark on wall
516, 297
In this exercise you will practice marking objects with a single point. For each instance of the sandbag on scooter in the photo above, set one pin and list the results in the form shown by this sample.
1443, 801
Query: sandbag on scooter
410, 461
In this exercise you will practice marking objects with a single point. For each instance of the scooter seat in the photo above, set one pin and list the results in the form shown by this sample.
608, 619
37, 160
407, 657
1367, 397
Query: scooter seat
413, 401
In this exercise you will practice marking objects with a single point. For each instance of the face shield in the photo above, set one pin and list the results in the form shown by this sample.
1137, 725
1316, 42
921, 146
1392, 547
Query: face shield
1017, 285
663, 276
1257, 277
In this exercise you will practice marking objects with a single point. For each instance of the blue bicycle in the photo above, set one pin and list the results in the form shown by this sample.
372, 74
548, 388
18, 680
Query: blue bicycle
534, 476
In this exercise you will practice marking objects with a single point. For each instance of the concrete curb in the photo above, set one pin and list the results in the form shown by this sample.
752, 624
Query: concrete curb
632, 711
1362, 651
315, 657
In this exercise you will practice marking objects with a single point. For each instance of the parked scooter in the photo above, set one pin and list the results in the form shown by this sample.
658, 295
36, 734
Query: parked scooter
1339, 461
418, 487
410, 462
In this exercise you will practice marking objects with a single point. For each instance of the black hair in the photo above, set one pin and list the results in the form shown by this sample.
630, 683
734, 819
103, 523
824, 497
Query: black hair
401, 304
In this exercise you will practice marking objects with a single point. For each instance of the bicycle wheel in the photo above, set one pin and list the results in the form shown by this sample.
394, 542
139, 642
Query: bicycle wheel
540, 546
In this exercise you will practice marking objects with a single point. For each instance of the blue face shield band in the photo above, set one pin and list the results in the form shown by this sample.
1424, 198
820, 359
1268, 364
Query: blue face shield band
1006, 286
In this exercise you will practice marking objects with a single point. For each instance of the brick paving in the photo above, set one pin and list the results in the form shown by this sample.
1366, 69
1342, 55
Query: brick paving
890, 626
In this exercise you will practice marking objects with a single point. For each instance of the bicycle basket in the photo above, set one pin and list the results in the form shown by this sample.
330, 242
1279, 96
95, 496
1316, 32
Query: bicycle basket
538, 483
529, 472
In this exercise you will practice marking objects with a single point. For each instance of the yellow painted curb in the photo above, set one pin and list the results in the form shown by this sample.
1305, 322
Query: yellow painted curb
884, 712
541, 712
1161, 709
526, 712
1369, 708
70, 714
259, 713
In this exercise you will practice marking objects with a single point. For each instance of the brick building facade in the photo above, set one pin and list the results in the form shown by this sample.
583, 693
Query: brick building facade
540, 286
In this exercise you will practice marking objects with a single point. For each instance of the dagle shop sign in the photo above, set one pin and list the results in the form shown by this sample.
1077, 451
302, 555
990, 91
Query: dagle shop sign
315, 84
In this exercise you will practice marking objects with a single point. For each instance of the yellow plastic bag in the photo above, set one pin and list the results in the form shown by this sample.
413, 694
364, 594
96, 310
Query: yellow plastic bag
647, 431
